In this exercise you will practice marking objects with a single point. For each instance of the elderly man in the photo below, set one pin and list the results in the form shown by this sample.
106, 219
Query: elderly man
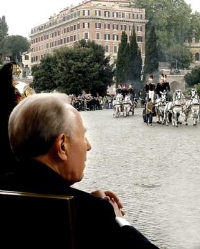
47, 135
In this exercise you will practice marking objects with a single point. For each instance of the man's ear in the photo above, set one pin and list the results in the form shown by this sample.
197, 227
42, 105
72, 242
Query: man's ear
61, 145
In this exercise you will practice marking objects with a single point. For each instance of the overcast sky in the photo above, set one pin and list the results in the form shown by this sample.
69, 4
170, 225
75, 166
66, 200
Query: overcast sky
21, 19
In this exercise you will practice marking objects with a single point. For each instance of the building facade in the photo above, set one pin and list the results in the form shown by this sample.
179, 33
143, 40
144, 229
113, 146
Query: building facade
101, 21
194, 47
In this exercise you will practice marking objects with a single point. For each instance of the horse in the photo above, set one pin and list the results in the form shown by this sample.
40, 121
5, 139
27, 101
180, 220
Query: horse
174, 107
192, 106
117, 105
127, 105
160, 104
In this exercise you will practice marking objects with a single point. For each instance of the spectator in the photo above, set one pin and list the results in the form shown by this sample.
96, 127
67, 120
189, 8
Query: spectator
47, 135
149, 111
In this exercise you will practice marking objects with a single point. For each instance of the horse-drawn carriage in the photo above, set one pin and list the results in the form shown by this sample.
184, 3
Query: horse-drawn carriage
123, 106
178, 110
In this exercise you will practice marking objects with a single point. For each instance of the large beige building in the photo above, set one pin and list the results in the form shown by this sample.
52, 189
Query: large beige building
101, 21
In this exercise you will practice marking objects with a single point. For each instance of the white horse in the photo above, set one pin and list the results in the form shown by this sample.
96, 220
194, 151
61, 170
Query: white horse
175, 107
192, 106
127, 105
160, 104
117, 105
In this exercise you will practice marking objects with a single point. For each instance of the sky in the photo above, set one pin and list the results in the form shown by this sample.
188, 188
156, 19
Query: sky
20, 19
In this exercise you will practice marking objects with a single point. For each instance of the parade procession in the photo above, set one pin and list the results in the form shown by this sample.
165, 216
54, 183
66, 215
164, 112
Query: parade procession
160, 103
124, 102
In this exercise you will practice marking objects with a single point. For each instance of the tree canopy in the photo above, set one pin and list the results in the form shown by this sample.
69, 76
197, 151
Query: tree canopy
83, 68
129, 61
11, 46
174, 23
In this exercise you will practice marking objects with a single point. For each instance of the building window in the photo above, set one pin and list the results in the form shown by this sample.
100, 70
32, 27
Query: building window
139, 28
123, 27
106, 48
106, 37
98, 36
26, 57
86, 36
86, 25
123, 15
86, 12
115, 14
106, 13
97, 12
197, 57
78, 26
139, 39
106, 25
115, 37
139, 16
115, 26
115, 49
97, 25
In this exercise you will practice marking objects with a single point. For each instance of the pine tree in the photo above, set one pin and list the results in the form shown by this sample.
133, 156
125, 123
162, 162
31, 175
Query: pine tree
134, 65
151, 63
122, 59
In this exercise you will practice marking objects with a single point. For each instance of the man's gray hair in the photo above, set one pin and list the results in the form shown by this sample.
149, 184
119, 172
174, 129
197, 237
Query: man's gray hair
37, 120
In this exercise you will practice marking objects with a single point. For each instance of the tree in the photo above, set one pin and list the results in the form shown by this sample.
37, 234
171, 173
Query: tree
15, 45
122, 59
151, 63
3, 28
83, 68
134, 62
3, 34
173, 21
179, 56
44, 75
193, 78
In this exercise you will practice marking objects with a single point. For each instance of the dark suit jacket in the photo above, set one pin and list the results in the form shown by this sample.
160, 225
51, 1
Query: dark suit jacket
95, 218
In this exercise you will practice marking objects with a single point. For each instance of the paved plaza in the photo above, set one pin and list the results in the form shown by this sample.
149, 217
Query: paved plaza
154, 169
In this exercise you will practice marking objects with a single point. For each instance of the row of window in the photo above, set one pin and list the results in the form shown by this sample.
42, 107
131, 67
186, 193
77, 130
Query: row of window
115, 14
86, 25
107, 50
73, 38
86, 13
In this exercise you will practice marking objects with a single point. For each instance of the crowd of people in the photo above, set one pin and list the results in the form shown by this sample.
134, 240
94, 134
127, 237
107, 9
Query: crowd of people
87, 102
45, 137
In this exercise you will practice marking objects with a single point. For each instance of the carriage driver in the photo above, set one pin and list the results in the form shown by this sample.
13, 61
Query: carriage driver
119, 88
166, 86
150, 88
160, 87
131, 92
